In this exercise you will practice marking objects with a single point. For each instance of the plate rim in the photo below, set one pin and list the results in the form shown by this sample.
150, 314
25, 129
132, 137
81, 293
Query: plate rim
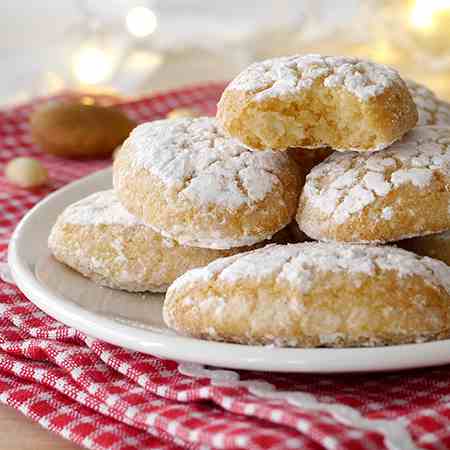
187, 349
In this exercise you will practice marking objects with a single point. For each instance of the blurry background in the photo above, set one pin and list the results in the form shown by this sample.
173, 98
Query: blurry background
133, 47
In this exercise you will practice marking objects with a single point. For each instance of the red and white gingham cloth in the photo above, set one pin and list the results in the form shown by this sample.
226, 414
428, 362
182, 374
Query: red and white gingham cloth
105, 397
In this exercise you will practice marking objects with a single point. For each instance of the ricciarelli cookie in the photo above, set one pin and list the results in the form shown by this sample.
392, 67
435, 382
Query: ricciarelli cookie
314, 294
432, 110
189, 182
313, 101
73, 130
401, 192
100, 239
434, 245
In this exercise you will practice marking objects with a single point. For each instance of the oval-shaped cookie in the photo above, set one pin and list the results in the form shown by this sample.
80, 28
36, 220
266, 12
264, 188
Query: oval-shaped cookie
314, 294
100, 239
189, 182
431, 109
394, 194
313, 101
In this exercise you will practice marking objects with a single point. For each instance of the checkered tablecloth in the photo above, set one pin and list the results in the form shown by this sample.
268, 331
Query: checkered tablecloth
105, 397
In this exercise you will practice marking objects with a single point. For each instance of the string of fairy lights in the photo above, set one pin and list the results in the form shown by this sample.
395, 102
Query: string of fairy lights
426, 13
407, 34
415, 34
93, 63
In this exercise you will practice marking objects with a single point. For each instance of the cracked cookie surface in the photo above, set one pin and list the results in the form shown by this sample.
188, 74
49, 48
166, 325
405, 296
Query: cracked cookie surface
394, 194
314, 294
189, 182
431, 109
313, 101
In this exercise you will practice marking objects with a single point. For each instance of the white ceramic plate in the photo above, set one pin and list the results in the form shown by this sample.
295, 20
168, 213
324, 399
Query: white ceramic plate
134, 321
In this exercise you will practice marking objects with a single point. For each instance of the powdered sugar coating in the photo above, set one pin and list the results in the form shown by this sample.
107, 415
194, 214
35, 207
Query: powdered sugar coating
297, 265
432, 110
388, 213
101, 208
191, 156
346, 183
287, 76
104, 208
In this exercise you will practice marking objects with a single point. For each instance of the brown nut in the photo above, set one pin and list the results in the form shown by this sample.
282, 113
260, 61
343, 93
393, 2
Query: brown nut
74, 130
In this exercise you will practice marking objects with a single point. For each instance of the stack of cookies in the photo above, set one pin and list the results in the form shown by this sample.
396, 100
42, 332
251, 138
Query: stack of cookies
188, 191
184, 195
384, 180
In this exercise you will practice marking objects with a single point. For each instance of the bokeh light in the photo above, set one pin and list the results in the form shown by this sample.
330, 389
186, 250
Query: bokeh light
141, 21
92, 64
